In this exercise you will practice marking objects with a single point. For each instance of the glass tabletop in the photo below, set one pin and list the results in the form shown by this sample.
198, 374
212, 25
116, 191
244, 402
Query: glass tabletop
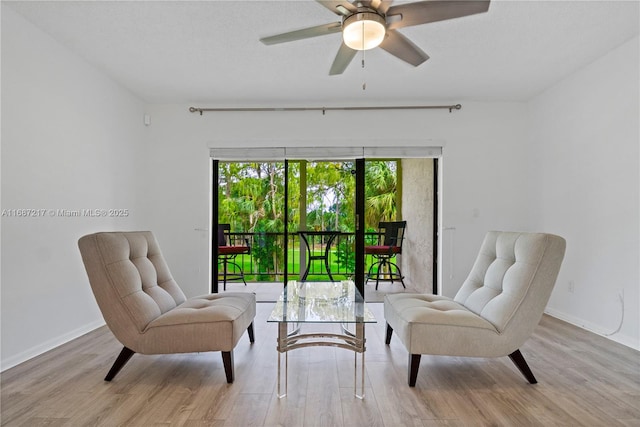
321, 302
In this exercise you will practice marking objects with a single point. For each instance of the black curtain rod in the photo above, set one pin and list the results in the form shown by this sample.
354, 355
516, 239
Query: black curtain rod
325, 109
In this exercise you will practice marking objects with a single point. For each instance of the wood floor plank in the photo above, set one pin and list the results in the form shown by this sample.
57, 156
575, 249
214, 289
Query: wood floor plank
250, 409
206, 403
323, 405
290, 410
398, 404
46, 422
357, 411
584, 380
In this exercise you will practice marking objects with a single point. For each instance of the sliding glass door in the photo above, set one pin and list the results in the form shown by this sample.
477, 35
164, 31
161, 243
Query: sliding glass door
299, 218
307, 213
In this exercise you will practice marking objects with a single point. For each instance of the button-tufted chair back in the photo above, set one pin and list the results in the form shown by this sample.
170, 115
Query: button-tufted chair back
130, 280
512, 277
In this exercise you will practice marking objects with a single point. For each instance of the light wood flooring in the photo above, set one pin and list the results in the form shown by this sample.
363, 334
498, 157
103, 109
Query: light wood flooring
584, 380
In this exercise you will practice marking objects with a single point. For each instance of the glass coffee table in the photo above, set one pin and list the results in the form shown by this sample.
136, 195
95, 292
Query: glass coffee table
332, 303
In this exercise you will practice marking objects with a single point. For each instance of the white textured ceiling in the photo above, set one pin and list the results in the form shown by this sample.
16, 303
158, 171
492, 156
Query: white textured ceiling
207, 52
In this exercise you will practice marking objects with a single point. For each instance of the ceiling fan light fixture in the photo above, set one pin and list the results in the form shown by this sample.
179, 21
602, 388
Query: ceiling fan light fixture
363, 30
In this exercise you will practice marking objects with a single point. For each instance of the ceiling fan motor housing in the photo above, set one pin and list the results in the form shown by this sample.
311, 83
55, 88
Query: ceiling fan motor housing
363, 30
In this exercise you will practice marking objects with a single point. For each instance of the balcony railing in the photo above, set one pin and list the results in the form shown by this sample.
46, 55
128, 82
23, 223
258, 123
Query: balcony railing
265, 263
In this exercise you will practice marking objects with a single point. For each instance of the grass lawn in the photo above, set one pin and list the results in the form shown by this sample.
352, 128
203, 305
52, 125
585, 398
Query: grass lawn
317, 272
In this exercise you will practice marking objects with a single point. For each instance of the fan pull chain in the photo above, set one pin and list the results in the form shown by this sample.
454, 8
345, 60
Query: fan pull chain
364, 82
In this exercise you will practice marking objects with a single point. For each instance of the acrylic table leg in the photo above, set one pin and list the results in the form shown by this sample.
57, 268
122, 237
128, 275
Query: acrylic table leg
358, 371
282, 351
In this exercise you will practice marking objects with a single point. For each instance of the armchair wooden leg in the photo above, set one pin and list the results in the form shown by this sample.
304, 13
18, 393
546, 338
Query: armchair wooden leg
250, 332
387, 340
518, 359
122, 359
414, 364
227, 361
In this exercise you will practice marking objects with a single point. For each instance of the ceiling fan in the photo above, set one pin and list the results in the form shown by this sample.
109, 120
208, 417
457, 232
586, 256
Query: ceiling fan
366, 24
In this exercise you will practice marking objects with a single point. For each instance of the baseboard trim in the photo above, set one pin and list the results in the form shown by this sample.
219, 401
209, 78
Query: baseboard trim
596, 329
22, 357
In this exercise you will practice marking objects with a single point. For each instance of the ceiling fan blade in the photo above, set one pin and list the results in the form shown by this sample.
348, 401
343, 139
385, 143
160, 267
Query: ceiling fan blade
423, 12
403, 48
305, 33
343, 59
380, 5
339, 7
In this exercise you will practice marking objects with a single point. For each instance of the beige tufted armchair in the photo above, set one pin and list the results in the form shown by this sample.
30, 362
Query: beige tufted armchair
147, 311
494, 312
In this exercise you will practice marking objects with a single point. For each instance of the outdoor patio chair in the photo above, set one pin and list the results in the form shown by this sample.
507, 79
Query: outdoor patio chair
227, 253
390, 237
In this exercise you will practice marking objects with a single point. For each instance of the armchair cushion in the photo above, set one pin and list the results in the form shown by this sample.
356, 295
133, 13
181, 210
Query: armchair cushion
200, 322
382, 250
233, 250
430, 324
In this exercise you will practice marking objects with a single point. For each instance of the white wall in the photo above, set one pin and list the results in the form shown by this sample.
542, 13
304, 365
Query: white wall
71, 139
584, 151
482, 167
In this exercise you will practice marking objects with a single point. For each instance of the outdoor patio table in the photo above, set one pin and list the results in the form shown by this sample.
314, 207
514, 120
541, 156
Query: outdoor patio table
309, 240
